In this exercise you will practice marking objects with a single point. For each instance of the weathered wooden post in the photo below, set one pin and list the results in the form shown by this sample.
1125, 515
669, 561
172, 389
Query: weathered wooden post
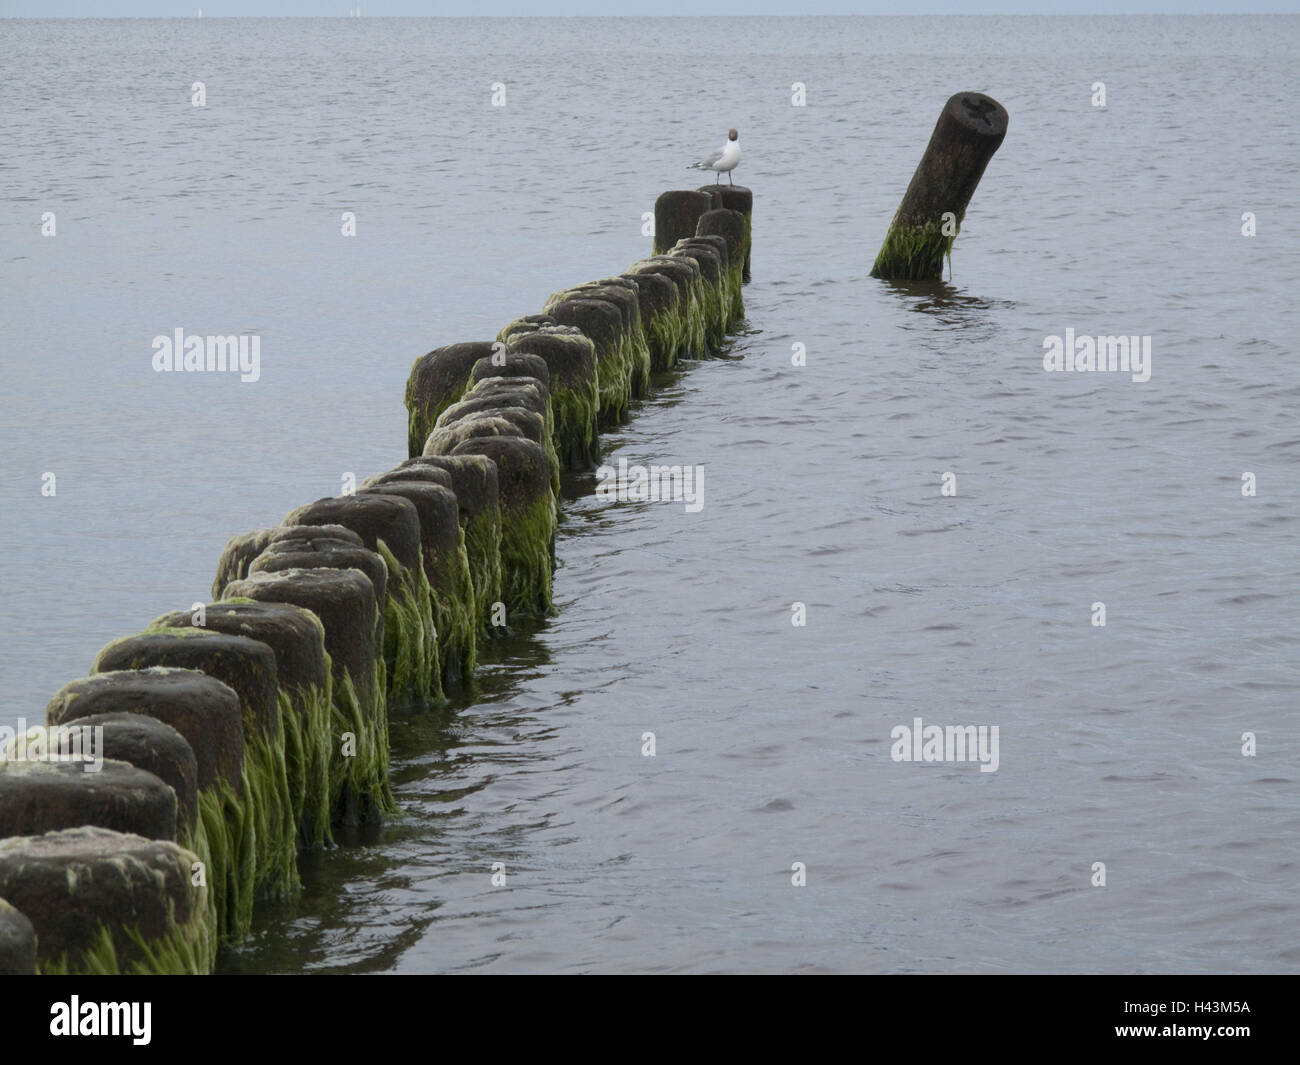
570, 359
677, 213
207, 713
970, 129
735, 198
390, 525
437, 380
92, 893
474, 480
447, 569
349, 606
733, 227
298, 641
248, 666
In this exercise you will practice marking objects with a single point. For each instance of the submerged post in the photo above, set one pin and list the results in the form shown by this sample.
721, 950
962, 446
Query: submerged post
970, 129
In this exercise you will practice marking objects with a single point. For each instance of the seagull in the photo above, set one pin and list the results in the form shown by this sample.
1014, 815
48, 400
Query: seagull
724, 160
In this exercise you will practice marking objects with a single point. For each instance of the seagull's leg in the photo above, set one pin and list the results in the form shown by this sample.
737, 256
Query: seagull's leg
730, 178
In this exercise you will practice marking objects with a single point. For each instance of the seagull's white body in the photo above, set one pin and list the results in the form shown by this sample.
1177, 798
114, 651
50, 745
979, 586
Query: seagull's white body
723, 161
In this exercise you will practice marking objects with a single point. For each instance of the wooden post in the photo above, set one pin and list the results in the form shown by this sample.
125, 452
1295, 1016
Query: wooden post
677, 212
970, 129
735, 198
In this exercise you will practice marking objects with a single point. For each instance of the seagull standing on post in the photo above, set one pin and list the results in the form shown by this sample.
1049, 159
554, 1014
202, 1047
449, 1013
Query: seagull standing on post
724, 160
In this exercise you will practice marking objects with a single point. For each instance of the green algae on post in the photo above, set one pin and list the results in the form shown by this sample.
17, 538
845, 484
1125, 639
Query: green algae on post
297, 639
602, 322
347, 603
659, 310
108, 902
454, 584
528, 520
208, 714
736, 198
247, 666
451, 592
390, 525
634, 345
710, 296
684, 272
570, 357
474, 480
411, 653
728, 227
185, 950
436, 381
915, 253
522, 402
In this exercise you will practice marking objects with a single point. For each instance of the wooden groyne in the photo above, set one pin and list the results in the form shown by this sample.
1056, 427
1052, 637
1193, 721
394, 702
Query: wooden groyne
172, 790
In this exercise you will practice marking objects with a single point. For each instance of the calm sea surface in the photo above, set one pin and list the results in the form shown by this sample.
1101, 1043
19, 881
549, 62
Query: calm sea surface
1118, 744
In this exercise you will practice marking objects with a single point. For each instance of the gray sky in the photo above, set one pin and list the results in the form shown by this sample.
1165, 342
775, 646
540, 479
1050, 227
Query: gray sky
379, 8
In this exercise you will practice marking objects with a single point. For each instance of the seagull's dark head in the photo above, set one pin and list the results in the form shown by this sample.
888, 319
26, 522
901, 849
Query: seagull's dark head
732, 135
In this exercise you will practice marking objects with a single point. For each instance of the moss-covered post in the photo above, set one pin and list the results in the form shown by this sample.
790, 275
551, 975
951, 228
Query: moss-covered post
570, 357
527, 324
474, 480
730, 225
602, 322
528, 517
207, 713
38, 796
710, 287
297, 639
437, 380
346, 602
970, 129
522, 402
248, 666
105, 903
735, 198
677, 212
446, 565
240, 551
390, 525
689, 324
660, 310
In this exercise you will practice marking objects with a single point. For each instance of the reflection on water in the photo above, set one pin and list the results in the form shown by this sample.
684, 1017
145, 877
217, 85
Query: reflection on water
949, 307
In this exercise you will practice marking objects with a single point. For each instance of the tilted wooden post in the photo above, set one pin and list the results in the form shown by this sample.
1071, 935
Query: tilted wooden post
970, 129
